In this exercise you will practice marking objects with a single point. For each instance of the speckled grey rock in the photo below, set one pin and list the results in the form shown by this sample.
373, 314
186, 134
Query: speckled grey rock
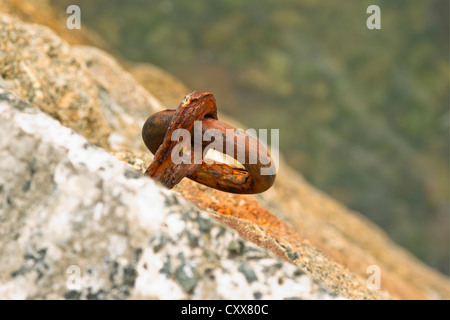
77, 223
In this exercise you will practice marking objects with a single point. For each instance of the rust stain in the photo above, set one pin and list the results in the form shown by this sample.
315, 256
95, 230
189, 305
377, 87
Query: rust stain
253, 222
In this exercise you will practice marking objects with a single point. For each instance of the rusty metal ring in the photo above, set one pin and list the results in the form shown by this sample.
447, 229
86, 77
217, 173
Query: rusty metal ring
217, 175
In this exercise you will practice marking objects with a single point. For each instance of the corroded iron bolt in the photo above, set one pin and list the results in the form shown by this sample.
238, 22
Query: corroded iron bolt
201, 106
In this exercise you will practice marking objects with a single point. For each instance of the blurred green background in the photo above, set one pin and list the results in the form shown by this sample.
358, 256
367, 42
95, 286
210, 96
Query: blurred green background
363, 114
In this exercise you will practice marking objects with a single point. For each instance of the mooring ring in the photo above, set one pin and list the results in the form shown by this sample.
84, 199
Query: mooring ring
217, 175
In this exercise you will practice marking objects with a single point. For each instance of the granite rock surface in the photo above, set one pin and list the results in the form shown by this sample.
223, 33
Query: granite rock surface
76, 222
